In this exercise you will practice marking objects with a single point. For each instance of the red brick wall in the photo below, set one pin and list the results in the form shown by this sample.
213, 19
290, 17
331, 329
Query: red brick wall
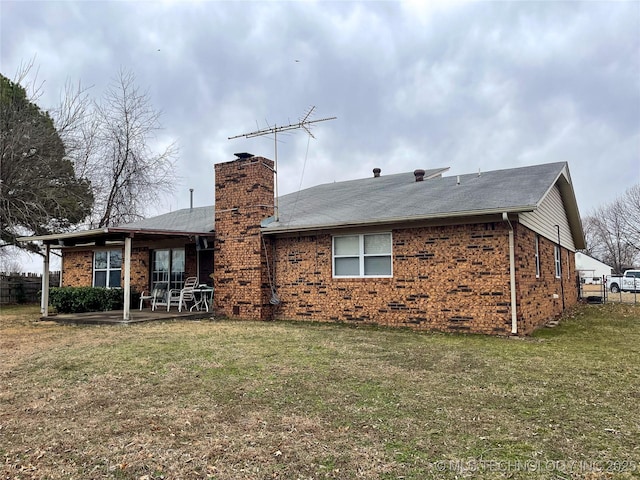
244, 197
77, 268
451, 278
140, 267
536, 302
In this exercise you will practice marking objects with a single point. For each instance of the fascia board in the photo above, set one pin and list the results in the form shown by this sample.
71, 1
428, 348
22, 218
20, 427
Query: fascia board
387, 221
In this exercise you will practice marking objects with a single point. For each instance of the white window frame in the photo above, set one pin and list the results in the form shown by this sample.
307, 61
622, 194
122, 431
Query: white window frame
558, 261
361, 255
108, 269
537, 256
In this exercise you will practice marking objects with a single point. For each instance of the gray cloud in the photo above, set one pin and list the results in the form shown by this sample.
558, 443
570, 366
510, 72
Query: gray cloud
470, 86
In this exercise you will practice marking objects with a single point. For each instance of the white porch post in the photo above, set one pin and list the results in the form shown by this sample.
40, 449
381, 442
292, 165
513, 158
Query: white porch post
127, 279
44, 299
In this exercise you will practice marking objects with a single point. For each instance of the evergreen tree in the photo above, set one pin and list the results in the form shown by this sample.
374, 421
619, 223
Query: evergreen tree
39, 190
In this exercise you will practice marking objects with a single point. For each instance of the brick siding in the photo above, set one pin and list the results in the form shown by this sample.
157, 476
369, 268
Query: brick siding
536, 301
451, 278
77, 268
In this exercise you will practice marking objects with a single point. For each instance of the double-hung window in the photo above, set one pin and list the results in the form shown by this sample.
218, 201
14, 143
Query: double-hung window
365, 255
107, 268
558, 260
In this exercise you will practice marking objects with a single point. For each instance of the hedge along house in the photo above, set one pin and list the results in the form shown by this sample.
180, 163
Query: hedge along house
135, 256
491, 252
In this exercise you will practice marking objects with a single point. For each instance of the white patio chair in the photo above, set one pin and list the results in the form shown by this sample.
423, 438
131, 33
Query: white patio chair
157, 296
182, 296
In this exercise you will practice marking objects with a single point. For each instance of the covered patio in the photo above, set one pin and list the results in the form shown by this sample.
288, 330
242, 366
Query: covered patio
190, 229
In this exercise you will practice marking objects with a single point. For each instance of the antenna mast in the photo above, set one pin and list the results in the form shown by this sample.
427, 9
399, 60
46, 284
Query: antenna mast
304, 123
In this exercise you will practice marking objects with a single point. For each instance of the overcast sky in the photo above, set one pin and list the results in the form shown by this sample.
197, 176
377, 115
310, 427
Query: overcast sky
484, 85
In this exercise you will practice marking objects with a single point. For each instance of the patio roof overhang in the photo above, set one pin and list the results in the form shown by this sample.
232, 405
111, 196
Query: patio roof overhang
103, 236
100, 237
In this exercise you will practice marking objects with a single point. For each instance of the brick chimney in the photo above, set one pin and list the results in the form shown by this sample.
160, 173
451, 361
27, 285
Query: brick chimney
244, 197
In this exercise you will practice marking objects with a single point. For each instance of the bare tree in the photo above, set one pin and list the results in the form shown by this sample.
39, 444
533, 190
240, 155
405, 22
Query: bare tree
612, 231
125, 172
109, 141
631, 215
9, 263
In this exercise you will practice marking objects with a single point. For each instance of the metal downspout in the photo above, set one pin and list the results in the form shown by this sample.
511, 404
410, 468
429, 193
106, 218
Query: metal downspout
512, 274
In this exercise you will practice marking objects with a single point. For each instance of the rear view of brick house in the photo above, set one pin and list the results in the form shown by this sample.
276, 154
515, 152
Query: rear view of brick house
489, 253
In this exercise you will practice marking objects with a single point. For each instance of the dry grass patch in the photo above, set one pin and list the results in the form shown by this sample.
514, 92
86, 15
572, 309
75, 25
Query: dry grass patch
253, 400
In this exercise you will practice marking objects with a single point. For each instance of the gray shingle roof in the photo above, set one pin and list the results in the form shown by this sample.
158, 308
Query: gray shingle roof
384, 199
399, 197
194, 220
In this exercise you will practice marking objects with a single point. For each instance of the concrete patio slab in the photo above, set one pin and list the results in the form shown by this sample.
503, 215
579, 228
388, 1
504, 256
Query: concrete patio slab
114, 317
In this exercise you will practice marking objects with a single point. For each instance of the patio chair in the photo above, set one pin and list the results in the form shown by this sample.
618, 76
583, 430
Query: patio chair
181, 296
157, 296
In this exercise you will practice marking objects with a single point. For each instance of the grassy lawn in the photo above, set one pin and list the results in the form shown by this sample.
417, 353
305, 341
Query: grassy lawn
226, 399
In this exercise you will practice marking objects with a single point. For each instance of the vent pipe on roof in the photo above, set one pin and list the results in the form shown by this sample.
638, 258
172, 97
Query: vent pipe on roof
419, 174
458, 180
191, 199
376, 172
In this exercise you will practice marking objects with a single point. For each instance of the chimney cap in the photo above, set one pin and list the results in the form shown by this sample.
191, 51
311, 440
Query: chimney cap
243, 155
376, 172
419, 174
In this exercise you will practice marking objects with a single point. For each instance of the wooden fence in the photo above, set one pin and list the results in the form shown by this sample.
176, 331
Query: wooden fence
24, 287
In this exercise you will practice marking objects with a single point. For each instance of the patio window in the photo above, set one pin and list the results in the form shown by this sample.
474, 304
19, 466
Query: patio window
107, 268
362, 255
168, 267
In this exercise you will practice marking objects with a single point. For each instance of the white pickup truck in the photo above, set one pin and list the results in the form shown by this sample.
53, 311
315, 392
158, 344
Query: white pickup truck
629, 282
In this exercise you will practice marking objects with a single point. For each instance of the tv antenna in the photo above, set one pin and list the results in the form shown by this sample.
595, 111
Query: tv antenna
304, 123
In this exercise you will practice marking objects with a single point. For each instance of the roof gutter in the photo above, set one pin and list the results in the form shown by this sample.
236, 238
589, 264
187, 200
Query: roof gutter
62, 236
512, 275
106, 231
385, 221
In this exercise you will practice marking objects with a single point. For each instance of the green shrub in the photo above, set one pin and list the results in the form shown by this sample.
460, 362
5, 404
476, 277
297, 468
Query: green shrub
88, 299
